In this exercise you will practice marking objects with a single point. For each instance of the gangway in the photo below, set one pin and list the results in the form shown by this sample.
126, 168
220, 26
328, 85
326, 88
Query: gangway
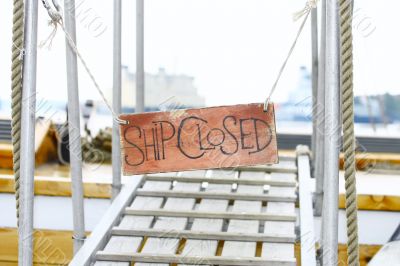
244, 216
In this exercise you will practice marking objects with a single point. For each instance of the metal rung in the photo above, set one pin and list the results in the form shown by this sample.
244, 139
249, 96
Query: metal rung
216, 180
214, 215
216, 195
203, 235
197, 260
269, 169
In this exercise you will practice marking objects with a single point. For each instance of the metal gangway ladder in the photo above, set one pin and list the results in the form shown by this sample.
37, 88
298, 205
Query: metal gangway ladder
244, 216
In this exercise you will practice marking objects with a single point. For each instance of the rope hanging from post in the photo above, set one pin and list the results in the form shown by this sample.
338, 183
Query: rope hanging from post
17, 52
346, 38
57, 19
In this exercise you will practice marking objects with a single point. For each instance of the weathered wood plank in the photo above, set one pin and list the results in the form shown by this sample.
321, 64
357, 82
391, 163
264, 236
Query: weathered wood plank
220, 180
131, 244
279, 250
282, 195
214, 137
207, 234
246, 249
242, 215
206, 247
162, 245
196, 260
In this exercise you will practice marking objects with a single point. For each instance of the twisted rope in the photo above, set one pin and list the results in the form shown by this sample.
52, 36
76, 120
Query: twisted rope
346, 38
16, 90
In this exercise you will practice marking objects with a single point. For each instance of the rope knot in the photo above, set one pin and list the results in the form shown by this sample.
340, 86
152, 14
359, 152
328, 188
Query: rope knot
53, 11
307, 8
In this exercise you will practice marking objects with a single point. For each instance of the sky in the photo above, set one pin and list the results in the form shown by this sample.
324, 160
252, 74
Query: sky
233, 48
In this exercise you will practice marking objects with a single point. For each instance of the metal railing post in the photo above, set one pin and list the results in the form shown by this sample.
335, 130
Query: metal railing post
140, 56
116, 147
332, 137
320, 118
314, 80
75, 150
27, 161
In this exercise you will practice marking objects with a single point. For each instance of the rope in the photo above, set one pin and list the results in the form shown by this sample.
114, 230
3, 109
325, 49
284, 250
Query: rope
304, 12
17, 52
56, 19
346, 37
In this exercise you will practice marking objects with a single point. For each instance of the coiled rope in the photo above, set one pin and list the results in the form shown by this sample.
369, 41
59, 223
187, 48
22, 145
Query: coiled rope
346, 57
17, 52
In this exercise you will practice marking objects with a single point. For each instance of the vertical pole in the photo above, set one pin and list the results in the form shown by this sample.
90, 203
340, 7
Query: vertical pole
116, 149
27, 165
332, 139
74, 129
140, 56
320, 118
314, 80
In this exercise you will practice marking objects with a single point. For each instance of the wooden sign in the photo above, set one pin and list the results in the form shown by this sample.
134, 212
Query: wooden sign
215, 137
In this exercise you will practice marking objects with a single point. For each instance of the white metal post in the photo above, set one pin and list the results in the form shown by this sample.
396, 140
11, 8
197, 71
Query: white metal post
320, 118
75, 150
140, 56
27, 162
314, 80
332, 137
116, 147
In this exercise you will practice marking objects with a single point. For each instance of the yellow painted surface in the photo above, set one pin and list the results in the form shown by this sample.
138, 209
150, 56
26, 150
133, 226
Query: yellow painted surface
50, 247
45, 146
55, 248
58, 186
374, 202
98, 188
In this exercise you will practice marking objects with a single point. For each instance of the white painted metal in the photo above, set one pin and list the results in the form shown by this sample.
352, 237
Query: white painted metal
75, 150
140, 82
116, 144
100, 234
332, 137
27, 165
388, 255
314, 80
307, 237
320, 118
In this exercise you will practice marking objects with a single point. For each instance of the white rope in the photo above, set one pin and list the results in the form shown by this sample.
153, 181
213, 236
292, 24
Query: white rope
56, 19
304, 12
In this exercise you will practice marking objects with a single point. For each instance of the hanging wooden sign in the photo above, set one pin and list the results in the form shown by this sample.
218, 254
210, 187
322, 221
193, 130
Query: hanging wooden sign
215, 137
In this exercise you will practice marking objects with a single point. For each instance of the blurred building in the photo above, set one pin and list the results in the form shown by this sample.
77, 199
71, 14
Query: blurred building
162, 91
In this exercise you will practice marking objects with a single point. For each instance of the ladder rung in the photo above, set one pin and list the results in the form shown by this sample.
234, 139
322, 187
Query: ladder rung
268, 168
216, 195
187, 259
218, 180
213, 215
203, 235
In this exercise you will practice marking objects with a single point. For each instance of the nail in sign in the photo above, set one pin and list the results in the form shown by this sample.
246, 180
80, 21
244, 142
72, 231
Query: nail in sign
215, 137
